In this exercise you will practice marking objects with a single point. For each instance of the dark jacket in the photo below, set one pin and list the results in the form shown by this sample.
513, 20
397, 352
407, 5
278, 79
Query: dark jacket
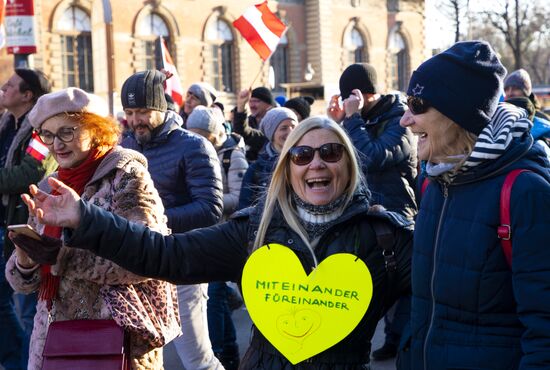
470, 310
20, 171
186, 173
190, 258
388, 152
248, 128
257, 178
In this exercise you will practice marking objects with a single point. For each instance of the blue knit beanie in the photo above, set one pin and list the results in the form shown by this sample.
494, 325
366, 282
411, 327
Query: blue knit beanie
464, 83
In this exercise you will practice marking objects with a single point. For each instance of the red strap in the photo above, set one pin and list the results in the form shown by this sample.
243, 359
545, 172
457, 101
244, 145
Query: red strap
425, 184
504, 231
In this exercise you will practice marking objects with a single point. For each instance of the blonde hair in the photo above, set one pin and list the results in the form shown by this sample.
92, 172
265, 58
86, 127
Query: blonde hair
461, 141
279, 190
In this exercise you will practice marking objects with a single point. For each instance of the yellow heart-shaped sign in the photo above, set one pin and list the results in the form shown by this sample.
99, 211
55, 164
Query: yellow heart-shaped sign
303, 315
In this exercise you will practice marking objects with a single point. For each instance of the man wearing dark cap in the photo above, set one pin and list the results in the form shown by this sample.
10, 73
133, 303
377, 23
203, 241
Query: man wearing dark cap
301, 105
389, 157
19, 168
259, 100
186, 173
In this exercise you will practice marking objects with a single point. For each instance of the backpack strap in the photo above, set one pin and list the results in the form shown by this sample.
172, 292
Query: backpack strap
385, 239
226, 161
504, 230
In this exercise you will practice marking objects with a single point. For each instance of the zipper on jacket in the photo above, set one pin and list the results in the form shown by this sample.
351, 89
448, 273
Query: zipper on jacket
443, 209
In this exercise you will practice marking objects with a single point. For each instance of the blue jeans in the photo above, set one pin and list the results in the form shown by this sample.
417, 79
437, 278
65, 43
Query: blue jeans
220, 323
12, 336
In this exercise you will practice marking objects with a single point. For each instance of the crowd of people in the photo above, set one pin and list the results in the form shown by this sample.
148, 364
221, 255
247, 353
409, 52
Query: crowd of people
146, 219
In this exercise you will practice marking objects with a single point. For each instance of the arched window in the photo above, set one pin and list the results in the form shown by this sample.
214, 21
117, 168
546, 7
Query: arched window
356, 47
220, 38
150, 27
399, 61
279, 62
76, 49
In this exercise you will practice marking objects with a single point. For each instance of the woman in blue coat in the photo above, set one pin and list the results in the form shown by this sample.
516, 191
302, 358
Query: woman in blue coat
470, 308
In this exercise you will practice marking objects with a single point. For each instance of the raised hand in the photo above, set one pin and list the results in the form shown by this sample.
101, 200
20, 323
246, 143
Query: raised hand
56, 210
242, 99
354, 103
334, 110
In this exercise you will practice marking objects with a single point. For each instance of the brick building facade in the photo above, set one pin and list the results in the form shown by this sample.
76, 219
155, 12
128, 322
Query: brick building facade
76, 47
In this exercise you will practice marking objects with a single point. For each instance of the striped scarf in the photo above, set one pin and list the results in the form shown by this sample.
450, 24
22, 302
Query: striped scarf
508, 122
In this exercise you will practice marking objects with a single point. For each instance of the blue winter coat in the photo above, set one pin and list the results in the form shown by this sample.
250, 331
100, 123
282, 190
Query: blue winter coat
389, 157
257, 178
470, 310
186, 173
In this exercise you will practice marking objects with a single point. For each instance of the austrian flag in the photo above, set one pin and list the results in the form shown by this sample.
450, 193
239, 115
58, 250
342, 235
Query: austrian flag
37, 149
261, 28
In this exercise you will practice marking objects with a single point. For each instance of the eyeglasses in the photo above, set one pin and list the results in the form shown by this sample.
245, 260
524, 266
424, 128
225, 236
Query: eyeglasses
65, 134
417, 105
303, 154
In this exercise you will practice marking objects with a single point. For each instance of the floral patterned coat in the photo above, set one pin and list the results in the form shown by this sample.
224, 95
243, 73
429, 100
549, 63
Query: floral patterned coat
94, 288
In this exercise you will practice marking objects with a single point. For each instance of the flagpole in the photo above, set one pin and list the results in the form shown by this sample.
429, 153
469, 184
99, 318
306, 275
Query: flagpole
262, 66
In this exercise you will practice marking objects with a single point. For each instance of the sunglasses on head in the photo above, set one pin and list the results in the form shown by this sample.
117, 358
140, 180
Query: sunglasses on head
417, 105
303, 154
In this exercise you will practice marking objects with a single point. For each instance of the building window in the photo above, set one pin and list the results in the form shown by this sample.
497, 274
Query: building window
76, 49
399, 62
220, 38
279, 62
150, 28
356, 47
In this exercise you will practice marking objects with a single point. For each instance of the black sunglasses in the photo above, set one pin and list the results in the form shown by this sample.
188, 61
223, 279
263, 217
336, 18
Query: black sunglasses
303, 154
417, 105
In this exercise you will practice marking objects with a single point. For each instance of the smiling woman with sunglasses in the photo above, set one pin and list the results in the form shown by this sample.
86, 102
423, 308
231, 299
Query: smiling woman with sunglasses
75, 284
478, 302
316, 205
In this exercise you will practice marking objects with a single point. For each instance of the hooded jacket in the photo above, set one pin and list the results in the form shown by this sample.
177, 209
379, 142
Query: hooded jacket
470, 310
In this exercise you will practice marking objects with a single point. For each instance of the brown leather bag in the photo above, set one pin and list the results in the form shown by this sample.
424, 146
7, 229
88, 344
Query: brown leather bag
85, 345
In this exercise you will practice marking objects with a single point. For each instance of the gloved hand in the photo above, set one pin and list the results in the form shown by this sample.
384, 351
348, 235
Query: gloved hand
43, 251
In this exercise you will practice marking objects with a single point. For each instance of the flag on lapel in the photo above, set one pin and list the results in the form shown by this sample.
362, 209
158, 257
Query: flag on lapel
261, 28
172, 86
37, 149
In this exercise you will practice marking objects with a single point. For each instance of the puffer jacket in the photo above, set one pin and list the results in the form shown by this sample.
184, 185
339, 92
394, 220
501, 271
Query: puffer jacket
388, 153
189, 258
470, 310
92, 287
257, 178
186, 173
233, 178
20, 171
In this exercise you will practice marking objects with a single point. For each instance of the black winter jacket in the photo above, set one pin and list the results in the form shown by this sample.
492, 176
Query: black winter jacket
388, 152
219, 252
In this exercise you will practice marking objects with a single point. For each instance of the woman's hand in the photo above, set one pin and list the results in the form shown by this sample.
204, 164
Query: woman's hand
55, 210
23, 259
334, 110
31, 251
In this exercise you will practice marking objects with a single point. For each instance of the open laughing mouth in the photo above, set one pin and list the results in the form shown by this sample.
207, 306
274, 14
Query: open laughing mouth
318, 182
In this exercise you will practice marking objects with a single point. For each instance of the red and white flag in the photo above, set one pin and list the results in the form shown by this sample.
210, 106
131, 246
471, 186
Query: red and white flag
172, 86
37, 149
261, 28
2, 27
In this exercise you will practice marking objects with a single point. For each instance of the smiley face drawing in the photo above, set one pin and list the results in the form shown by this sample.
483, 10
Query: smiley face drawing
298, 325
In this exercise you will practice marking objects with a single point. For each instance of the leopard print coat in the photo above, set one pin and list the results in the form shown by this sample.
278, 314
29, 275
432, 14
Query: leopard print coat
95, 288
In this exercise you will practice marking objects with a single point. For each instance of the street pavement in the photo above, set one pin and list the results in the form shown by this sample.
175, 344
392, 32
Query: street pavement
243, 325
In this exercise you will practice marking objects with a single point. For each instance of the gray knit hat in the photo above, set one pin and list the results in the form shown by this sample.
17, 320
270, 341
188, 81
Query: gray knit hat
206, 118
204, 92
273, 119
144, 90
520, 79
